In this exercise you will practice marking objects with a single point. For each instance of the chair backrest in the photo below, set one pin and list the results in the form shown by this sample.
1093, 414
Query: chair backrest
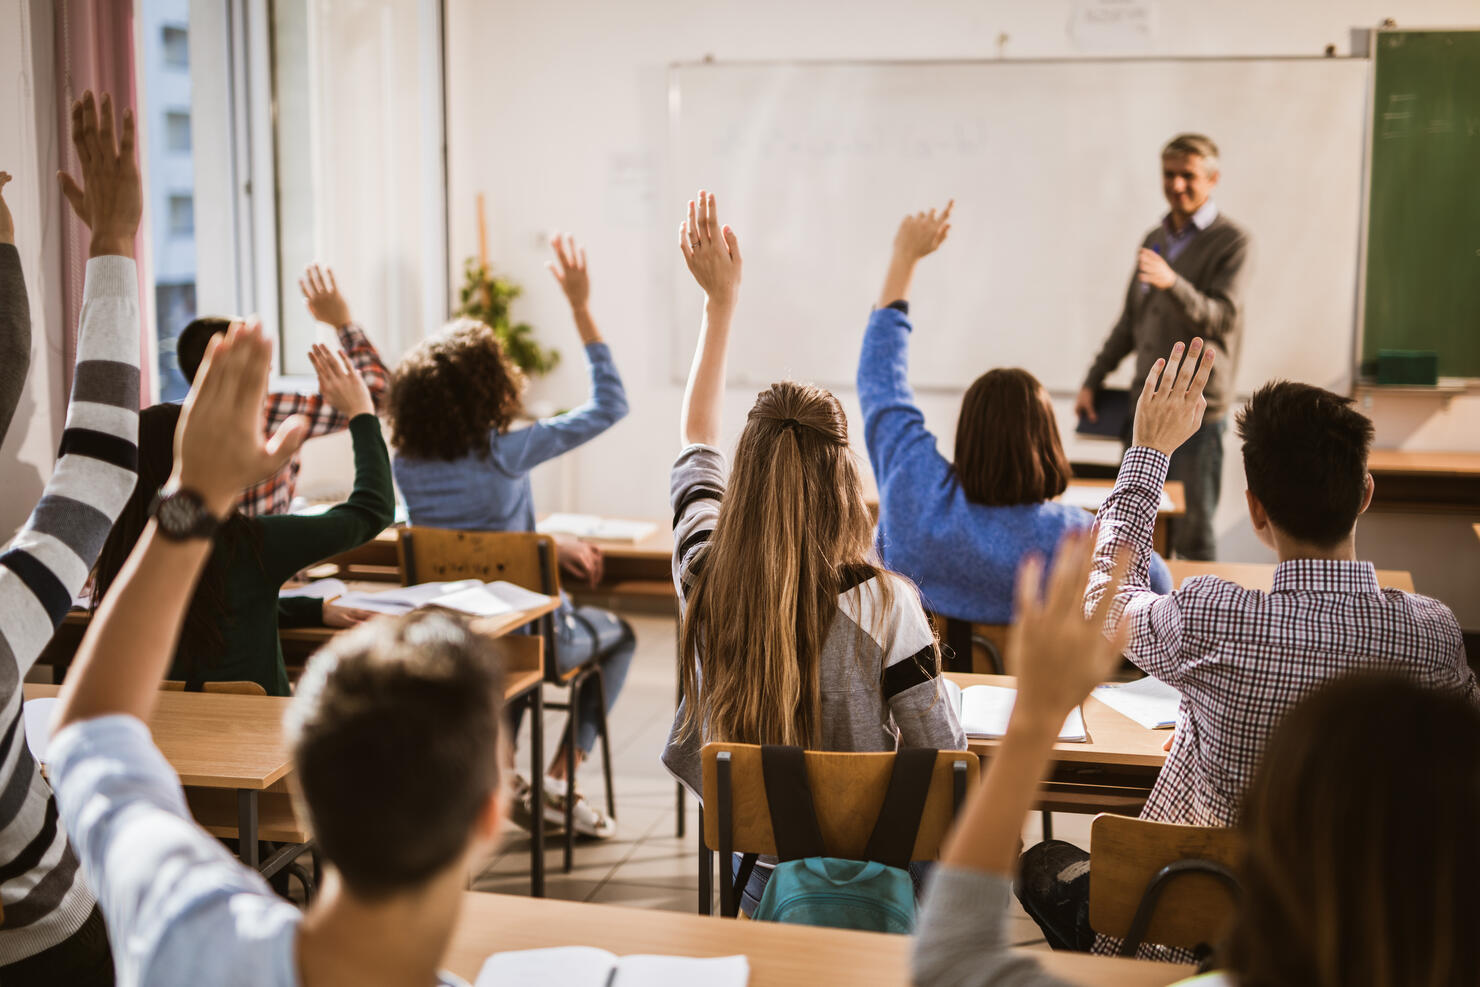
847, 790
1189, 909
524, 558
979, 648
231, 688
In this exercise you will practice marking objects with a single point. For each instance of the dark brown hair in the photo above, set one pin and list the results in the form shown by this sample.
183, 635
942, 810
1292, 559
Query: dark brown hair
1305, 458
451, 391
395, 738
1359, 866
190, 348
1007, 442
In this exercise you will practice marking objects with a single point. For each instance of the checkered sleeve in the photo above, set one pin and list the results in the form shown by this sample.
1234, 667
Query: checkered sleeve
1126, 521
365, 358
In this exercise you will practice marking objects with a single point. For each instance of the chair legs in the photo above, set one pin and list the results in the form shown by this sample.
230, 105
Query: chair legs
578, 685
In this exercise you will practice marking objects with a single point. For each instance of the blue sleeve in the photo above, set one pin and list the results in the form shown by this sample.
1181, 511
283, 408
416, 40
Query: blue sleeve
1161, 576
893, 425
522, 450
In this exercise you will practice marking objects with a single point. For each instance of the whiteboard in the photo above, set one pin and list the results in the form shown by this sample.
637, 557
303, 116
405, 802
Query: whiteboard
1055, 169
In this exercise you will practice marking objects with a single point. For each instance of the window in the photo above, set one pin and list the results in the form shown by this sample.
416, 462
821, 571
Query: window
177, 130
174, 43
182, 216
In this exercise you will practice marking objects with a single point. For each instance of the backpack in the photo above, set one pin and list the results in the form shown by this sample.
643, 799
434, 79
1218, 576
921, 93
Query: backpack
806, 888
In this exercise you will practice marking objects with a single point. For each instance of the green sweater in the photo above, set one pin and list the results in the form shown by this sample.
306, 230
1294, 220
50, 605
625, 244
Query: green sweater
289, 543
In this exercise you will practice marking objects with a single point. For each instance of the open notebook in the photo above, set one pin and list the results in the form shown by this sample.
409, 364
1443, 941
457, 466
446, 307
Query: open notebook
1149, 701
467, 596
586, 966
595, 527
985, 709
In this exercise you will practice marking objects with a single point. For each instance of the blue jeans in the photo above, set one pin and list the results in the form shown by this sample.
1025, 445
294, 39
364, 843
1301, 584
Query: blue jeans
1198, 464
761, 876
580, 633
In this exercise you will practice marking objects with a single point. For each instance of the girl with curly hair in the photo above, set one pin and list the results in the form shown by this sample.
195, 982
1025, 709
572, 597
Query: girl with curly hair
461, 464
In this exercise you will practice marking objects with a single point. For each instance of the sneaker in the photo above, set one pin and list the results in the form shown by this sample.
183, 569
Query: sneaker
519, 811
587, 818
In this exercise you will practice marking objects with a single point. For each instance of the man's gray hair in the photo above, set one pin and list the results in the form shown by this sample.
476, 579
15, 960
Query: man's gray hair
1199, 144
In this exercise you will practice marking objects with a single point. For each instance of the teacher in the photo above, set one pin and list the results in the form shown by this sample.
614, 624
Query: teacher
1188, 283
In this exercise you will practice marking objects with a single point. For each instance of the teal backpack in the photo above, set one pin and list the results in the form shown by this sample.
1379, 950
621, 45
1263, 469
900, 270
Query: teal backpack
806, 888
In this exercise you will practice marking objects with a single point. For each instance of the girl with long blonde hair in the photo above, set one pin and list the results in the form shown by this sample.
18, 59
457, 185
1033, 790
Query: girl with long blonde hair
790, 633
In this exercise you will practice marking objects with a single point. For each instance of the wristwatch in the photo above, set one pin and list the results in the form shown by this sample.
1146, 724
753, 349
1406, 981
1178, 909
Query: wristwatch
182, 514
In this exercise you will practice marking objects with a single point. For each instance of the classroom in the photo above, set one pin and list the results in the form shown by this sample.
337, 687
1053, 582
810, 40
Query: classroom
665, 492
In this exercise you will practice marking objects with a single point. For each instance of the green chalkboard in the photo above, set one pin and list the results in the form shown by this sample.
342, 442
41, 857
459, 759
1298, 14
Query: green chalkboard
1423, 230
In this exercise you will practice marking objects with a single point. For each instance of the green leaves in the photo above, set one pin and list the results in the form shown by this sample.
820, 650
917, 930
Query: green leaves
485, 297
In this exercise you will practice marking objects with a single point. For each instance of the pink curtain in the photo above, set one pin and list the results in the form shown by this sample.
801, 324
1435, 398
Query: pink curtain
95, 50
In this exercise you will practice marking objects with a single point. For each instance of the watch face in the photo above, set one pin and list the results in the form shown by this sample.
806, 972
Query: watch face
182, 514
177, 514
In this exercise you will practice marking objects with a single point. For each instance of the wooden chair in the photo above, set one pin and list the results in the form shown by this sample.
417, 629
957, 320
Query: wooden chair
979, 648
229, 688
1161, 882
848, 791
526, 559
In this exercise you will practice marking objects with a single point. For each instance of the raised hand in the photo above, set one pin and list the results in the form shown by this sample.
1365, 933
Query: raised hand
712, 251
338, 382
7, 222
569, 269
220, 447
920, 234
1152, 269
321, 295
1058, 655
110, 199
1170, 409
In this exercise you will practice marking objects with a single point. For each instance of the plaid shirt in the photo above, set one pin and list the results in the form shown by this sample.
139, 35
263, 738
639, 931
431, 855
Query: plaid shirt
274, 495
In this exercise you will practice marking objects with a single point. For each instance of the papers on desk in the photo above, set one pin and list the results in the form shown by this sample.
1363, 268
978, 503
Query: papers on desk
1149, 701
985, 709
38, 714
319, 589
466, 596
585, 966
1091, 497
596, 528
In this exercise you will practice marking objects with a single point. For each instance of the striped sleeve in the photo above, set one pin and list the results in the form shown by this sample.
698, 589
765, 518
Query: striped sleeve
696, 487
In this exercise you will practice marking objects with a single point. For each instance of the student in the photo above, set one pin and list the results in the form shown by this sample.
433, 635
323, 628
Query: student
52, 931
1242, 658
394, 736
1357, 871
321, 294
959, 529
459, 464
231, 628
790, 635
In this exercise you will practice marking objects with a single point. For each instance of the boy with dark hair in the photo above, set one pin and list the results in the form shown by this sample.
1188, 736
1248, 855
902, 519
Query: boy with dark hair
321, 294
1242, 658
395, 738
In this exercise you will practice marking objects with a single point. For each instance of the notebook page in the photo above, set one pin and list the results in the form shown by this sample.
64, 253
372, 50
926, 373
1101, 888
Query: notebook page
986, 709
1149, 701
516, 597
567, 966
475, 601
405, 599
681, 971
322, 589
595, 527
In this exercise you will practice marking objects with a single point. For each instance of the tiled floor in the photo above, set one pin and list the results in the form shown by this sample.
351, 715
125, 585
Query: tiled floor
645, 865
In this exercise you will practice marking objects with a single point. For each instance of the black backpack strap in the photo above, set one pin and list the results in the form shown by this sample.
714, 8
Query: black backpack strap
793, 816
893, 838
742, 876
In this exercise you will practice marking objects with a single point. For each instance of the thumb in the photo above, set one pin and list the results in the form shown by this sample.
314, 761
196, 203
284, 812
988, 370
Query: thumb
73, 193
733, 243
286, 441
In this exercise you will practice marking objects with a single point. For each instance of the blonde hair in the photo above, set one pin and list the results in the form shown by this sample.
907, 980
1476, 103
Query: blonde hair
792, 532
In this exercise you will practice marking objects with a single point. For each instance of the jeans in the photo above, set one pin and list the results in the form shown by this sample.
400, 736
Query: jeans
82, 959
750, 898
580, 633
1053, 887
1198, 464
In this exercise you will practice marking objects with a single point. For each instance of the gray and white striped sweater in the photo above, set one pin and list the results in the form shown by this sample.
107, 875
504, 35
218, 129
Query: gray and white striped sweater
41, 570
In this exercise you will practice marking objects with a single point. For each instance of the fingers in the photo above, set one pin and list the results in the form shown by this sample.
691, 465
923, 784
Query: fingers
732, 243
333, 282
693, 222
79, 131
686, 245
1173, 364
4, 180
315, 279
559, 248
581, 259
126, 143
554, 270
1153, 376
946, 213
90, 128
284, 442
107, 144
711, 219
341, 360
74, 195
1188, 368
303, 287
1204, 371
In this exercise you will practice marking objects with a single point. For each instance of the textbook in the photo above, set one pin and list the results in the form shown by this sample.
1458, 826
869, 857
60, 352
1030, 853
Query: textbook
985, 709
596, 528
586, 966
1149, 701
472, 597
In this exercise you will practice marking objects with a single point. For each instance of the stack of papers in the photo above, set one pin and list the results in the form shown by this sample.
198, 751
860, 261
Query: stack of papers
596, 528
985, 709
468, 596
320, 589
1150, 702
585, 966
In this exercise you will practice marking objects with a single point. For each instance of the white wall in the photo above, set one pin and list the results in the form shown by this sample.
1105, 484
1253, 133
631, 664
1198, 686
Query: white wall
28, 150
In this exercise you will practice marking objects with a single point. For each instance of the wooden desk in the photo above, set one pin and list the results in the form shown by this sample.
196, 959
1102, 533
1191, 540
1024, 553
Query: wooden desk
220, 741
1176, 493
778, 954
1260, 575
308, 639
1425, 482
1113, 772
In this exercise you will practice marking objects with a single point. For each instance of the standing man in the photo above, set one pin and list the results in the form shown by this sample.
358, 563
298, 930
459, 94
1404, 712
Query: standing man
1188, 282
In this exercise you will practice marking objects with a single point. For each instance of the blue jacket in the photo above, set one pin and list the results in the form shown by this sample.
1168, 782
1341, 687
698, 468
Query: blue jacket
963, 555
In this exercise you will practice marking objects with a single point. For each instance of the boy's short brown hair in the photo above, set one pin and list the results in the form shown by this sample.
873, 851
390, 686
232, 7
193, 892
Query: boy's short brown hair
395, 737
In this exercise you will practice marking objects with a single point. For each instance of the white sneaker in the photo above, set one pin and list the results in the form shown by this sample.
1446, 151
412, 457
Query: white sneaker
587, 819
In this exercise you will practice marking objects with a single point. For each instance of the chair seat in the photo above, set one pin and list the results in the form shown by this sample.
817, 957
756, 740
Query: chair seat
216, 811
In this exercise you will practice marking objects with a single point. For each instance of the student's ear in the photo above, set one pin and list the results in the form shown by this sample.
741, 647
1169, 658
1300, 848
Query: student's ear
1369, 486
1257, 514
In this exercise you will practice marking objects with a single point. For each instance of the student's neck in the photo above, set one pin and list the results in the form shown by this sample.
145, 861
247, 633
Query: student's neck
1289, 549
345, 939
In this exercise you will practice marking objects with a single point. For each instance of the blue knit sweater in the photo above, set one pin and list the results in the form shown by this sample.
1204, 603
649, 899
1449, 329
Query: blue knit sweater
963, 555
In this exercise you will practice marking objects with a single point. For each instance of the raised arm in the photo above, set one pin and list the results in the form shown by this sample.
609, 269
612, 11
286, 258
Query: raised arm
1060, 657
219, 449
712, 253
327, 304
15, 318
893, 425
